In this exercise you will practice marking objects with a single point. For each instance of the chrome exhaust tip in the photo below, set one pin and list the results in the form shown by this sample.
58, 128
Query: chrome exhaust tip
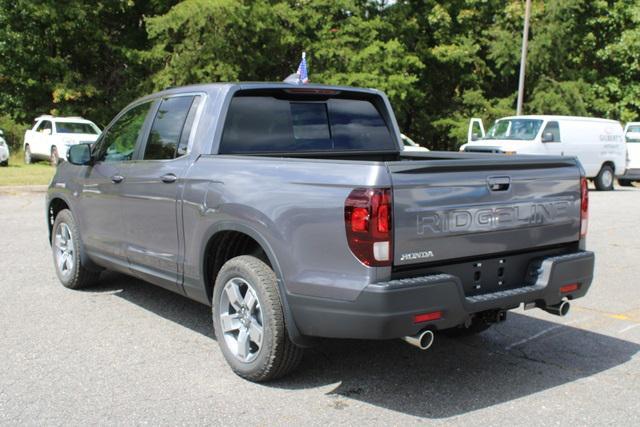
561, 309
423, 340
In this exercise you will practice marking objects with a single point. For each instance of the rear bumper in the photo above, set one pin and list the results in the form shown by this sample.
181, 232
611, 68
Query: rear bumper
631, 175
386, 310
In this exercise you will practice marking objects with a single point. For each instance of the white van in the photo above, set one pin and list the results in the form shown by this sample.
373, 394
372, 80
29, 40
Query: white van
632, 135
597, 143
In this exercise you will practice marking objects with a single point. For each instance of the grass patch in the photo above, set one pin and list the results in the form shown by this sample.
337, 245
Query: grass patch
17, 173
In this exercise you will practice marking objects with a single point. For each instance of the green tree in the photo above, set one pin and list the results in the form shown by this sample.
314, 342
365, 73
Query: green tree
71, 57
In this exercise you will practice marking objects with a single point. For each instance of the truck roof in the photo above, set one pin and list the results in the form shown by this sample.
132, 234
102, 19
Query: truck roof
559, 118
225, 87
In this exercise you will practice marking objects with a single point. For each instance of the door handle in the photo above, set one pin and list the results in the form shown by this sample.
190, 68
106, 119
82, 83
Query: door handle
117, 179
499, 183
168, 178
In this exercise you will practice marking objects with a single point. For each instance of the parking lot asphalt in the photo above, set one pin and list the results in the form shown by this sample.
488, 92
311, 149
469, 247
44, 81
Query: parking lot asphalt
125, 352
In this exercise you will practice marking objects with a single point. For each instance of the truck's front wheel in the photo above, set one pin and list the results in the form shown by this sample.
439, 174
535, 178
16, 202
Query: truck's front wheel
248, 320
27, 155
67, 253
53, 158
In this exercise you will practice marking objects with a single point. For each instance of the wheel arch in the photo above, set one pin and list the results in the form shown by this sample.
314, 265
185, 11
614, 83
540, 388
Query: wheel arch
242, 239
55, 205
609, 163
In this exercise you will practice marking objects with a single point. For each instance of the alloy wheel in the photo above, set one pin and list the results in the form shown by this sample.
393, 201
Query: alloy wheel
65, 253
241, 319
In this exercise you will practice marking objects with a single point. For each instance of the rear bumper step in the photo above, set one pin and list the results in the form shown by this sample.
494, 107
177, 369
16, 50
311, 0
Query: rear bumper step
386, 310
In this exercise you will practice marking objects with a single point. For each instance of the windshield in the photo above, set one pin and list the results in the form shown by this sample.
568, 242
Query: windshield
408, 142
520, 129
72, 127
633, 133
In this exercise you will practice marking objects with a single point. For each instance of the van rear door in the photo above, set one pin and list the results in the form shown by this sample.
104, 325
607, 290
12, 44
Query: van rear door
476, 130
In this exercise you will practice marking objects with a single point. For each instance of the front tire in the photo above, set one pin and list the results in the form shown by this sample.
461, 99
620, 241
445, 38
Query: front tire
604, 180
248, 321
67, 253
27, 155
54, 159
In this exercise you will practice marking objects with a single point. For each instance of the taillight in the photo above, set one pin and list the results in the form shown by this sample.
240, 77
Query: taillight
584, 207
367, 214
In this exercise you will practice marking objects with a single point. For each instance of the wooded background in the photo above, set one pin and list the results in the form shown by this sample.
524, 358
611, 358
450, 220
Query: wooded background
440, 62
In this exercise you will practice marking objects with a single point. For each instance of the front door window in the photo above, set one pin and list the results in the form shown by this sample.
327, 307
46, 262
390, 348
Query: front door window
119, 142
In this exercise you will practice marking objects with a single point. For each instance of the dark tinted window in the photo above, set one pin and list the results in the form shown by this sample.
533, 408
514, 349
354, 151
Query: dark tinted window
45, 124
554, 129
119, 143
269, 124
167, 128
73, 127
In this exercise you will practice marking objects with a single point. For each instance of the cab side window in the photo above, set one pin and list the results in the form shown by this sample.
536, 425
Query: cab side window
171, 127
45, 124
119, 142
554, 129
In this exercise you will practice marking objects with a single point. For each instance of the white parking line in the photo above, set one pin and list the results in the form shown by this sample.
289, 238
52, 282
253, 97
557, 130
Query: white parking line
628, 328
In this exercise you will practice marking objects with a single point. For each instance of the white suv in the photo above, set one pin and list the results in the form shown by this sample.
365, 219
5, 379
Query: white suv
4, 150
51, 137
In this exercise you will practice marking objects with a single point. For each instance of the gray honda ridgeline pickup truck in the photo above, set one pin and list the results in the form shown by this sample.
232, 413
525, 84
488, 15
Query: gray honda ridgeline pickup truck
294, 213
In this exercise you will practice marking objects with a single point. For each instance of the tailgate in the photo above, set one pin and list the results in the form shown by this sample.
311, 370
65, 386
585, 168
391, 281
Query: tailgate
453, 209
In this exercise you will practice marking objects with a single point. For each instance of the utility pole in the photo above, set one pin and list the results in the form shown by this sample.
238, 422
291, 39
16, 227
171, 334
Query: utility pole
523, 57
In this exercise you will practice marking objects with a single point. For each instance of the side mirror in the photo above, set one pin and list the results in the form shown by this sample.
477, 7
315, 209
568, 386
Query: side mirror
79, 154
1, 132
547, 137
47, 131
475, 137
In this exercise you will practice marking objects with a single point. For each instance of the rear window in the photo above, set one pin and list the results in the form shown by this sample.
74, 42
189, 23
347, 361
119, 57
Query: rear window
633, 133
72, 127
264, 124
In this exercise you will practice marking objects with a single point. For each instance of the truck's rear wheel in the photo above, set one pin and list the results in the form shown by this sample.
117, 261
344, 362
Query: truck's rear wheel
67, 253
604, 180
625, 182
249, 323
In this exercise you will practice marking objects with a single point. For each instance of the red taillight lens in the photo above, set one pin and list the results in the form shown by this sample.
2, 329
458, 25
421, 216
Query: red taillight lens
584, 207
367, 213
360, 219
427, 317
569, 288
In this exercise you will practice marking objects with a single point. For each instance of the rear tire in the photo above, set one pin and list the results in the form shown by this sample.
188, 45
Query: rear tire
27, 155
54, 159
5, 163
252, 334
605, 178
68, 253
625, 183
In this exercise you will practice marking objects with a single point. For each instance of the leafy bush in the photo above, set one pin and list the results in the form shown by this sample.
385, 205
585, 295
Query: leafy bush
13, 132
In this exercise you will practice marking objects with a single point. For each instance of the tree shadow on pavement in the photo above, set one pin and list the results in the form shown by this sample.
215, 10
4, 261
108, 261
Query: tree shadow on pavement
454, 377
